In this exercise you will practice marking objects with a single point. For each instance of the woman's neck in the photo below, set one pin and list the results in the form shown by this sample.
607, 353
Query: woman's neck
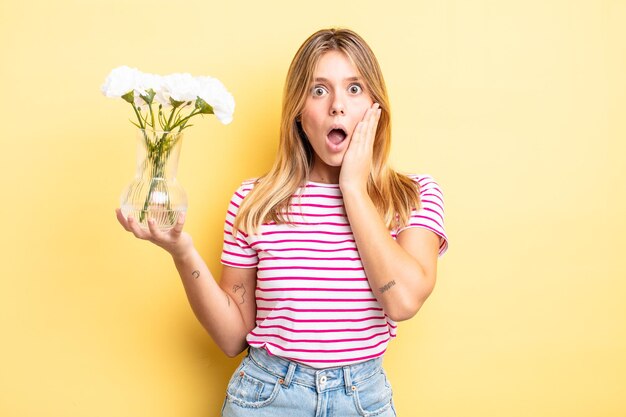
323, 173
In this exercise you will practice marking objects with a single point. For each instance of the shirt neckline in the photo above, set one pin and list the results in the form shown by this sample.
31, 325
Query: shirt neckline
322, 184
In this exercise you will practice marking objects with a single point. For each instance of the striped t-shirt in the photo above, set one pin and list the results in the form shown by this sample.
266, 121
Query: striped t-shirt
314, 303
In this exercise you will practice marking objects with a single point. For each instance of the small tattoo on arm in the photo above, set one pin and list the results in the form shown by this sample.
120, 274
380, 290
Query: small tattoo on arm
387, 286
196, 274
242, 291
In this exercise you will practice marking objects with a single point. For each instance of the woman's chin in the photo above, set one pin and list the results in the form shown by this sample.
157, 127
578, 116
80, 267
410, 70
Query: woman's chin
335, 160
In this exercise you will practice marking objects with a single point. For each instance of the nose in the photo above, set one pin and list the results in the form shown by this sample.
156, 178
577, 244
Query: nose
337, 106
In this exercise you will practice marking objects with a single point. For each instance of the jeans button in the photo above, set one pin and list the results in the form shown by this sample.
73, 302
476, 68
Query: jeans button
323, 379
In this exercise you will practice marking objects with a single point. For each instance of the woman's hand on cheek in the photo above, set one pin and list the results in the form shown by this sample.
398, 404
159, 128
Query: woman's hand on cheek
357, 161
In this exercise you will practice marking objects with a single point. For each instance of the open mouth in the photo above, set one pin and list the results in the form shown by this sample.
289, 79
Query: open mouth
337, 135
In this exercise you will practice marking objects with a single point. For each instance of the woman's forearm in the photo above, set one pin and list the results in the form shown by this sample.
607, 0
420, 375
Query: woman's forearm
397, 279
214, 307
227, 322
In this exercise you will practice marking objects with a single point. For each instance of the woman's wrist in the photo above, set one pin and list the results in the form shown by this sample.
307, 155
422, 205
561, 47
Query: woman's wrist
182, 251
353, 190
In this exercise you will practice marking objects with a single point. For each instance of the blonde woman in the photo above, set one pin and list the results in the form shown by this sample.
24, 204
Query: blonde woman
323, 254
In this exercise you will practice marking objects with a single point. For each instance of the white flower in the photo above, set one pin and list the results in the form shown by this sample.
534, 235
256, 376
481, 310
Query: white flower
143, 83
120, 81
180, 87
143, 90
215, 94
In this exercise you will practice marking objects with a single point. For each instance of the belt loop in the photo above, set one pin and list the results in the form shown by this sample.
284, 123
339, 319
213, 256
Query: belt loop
290, 372
347, 380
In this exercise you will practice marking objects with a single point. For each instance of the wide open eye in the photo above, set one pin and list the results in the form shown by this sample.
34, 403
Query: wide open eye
318, 91
355, 88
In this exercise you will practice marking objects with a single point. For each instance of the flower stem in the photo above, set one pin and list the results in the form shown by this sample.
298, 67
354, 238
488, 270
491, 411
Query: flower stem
143, 126
151, 115
184, 120
169, 121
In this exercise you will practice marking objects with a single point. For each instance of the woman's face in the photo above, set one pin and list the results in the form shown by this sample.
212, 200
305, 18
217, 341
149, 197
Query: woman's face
336, 103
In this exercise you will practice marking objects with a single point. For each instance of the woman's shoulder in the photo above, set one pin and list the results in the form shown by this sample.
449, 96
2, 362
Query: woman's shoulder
245, 186
426, 182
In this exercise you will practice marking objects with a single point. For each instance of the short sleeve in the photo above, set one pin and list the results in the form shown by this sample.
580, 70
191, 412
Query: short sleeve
431, 213
237, 251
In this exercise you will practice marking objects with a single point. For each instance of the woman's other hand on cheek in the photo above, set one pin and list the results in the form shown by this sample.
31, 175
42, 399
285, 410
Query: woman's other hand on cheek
357, 161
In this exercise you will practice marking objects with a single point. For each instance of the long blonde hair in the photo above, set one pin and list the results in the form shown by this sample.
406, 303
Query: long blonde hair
394, 195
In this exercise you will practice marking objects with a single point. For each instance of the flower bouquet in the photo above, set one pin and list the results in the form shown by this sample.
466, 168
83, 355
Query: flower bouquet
163, 105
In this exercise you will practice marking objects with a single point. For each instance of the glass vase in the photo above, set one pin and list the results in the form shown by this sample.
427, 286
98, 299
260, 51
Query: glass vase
154, 192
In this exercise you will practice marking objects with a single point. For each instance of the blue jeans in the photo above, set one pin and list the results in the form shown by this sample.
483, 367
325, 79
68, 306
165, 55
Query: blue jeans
270, 386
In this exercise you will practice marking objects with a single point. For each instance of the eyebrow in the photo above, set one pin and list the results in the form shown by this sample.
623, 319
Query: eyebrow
317, 79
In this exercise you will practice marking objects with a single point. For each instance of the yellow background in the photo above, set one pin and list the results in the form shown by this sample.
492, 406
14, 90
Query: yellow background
515, 107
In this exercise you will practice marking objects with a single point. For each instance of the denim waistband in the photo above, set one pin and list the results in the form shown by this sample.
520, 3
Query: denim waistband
323, 379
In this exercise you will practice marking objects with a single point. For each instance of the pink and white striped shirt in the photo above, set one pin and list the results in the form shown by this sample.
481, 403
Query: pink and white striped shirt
314, 303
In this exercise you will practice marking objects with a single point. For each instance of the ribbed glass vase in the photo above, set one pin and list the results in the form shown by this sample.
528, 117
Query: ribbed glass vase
154, 192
